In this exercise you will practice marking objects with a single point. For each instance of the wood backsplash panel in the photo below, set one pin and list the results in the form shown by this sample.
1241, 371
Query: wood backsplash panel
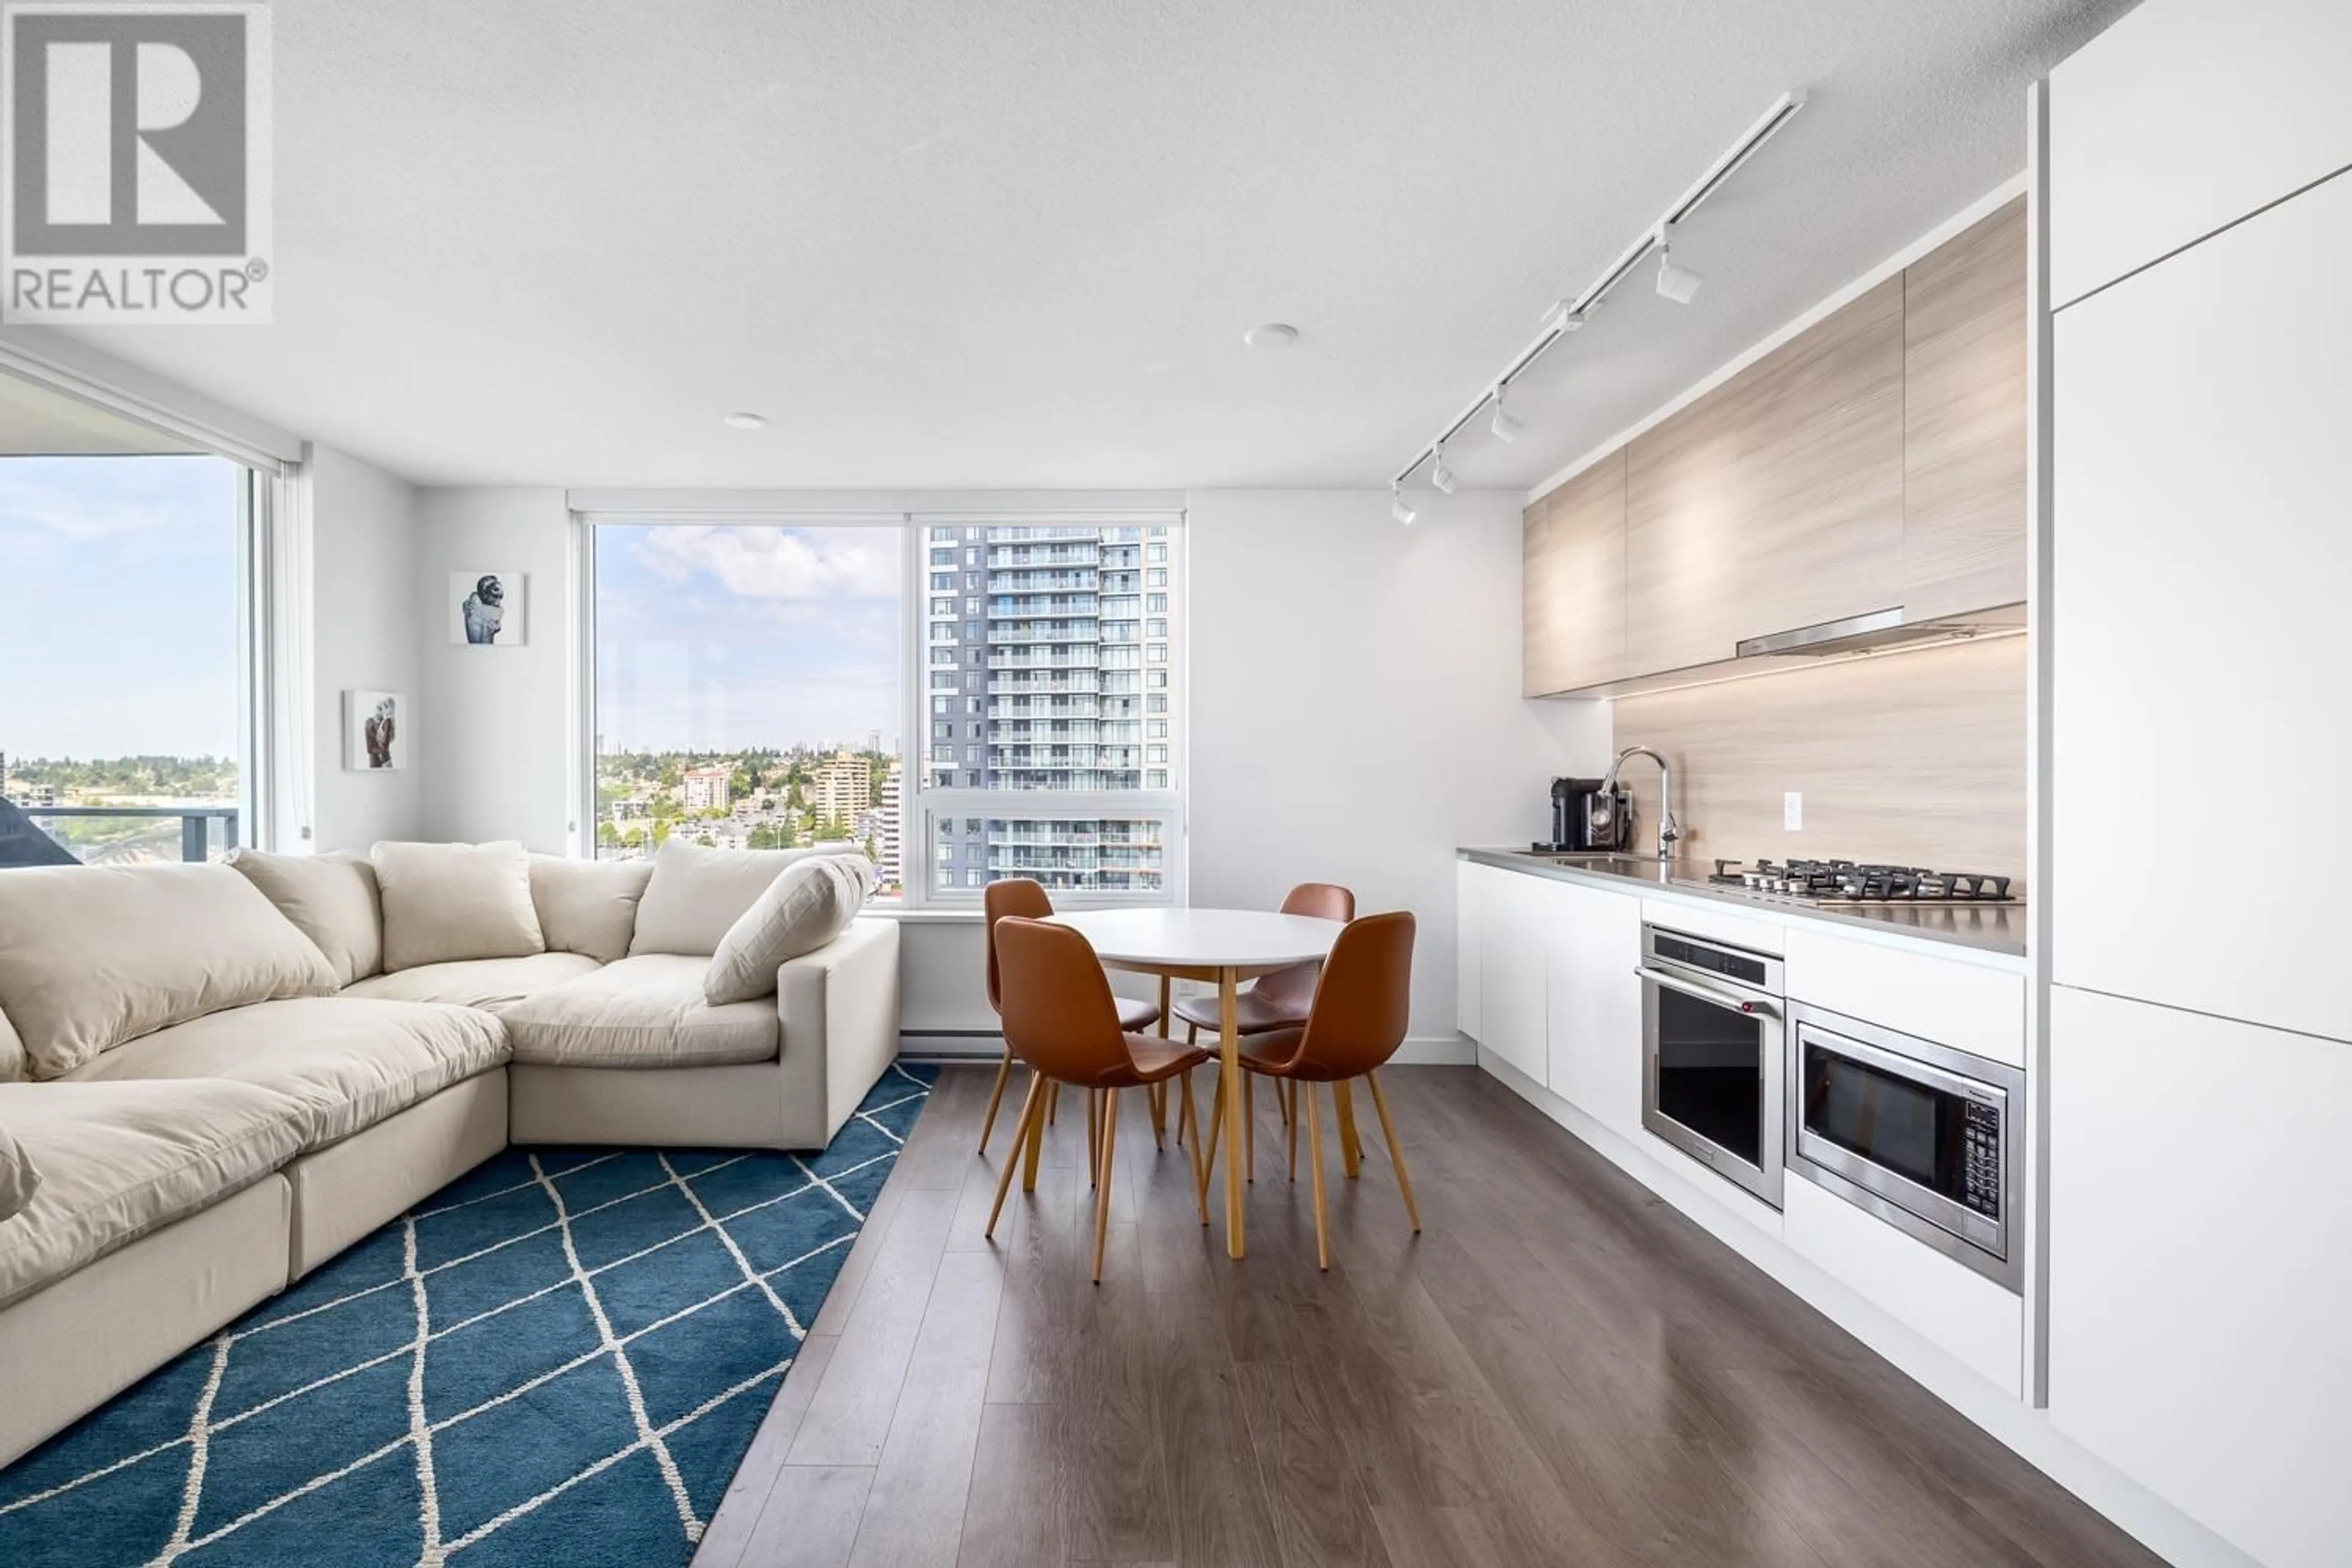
1914, 757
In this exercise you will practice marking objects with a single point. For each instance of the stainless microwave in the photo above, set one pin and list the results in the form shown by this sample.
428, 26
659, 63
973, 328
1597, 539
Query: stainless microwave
1927, 1138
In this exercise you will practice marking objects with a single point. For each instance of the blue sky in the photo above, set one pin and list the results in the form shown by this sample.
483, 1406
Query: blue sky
718, 638
117, 605
117, 620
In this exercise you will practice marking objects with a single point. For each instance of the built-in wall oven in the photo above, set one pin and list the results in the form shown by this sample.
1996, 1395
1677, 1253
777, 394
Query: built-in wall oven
1926, 1137
1714, 1055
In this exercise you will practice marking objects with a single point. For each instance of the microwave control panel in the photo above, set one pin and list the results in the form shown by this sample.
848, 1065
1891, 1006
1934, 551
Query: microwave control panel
1980, 1170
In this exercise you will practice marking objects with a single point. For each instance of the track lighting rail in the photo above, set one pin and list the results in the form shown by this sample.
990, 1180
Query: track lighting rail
1567, 315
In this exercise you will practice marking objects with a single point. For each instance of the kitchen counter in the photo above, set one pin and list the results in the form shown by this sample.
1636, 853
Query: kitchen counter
1998, 927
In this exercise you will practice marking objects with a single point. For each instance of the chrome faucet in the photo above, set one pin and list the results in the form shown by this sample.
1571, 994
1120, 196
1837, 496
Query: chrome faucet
1669, 830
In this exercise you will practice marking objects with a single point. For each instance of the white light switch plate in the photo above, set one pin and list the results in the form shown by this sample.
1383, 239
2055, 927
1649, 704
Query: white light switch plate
1792, 811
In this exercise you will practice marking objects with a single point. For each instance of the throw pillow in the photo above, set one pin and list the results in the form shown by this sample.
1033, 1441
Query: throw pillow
697, 893
808, 904
588, 906
443, 902
331, 898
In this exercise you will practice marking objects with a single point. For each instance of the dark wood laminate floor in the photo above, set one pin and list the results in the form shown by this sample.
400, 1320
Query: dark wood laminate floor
1560, 1370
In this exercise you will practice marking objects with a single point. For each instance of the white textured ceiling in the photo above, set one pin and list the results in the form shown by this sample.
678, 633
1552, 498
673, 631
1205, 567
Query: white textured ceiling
998, 244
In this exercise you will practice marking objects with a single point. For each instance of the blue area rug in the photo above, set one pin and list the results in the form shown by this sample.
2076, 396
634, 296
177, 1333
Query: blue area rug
560, 1358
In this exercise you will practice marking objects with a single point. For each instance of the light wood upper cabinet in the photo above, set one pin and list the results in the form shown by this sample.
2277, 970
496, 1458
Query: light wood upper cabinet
1683, 519
1964, 421
1573, 582
1875, 461
1820, 423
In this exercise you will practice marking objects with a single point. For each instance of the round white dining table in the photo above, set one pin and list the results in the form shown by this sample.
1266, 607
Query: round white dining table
1224, 947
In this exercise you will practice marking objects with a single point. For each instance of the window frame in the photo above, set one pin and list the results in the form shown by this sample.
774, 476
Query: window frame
920, 804
276, 790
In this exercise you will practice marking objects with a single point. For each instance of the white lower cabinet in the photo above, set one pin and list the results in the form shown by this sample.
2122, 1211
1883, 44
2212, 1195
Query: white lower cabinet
1511, 969
2200, 1267
1948, 1304
1593, 1003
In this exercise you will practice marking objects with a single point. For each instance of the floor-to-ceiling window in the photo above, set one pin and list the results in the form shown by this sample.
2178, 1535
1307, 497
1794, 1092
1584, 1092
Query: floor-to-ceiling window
125, 710
963, 699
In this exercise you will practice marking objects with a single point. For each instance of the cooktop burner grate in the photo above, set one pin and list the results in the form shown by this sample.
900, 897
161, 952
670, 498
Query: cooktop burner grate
1861, 882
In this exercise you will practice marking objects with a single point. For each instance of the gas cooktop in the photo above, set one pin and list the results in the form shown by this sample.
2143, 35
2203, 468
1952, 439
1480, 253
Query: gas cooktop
1855, 882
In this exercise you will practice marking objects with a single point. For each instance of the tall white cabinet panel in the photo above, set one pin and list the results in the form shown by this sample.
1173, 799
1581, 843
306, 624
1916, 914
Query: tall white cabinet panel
2200, 1268
1469, 898
1511, 971
2203, 575
1593, 1003
2184, 117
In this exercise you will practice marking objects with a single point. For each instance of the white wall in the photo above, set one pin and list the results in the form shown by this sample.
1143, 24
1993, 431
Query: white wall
363, 634
494, 724
1354, 706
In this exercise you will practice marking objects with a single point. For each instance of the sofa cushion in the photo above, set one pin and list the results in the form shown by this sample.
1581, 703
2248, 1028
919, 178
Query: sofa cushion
119, 1160
448, 901
11, 1052
18, 1174
331, 898
696, 893
588, 906
351, 1061
806, 906
94, 955
642, 1012
477, 983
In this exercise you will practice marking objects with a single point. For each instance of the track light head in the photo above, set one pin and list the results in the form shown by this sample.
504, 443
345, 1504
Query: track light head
1441, 476
1397, 509
1563, 318
1506, 428
1676, 282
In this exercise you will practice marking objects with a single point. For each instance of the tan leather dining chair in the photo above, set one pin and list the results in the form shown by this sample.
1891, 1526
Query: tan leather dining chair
1021, 896
1353, 1027
1277, 1001
1061, 1018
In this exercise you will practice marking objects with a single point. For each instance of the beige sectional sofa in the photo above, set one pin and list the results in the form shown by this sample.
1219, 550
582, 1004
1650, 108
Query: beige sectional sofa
214, 1077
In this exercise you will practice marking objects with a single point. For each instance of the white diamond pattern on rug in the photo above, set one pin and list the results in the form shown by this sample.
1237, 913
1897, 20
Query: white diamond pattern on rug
561, 1357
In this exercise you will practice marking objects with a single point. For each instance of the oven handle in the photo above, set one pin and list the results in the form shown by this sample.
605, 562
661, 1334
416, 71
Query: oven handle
1706, 994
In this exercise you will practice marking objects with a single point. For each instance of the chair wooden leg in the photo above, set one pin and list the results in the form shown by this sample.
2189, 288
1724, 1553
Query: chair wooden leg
1094, 1135
1053, 1103
1286, 1093
1158, 1095
995, 1098
1292, 1089
1343, 1112
1024, 1129
1187, 1118
1396, 1156
1036, 1144
1314, 1171
1102, 1175
1249, 1125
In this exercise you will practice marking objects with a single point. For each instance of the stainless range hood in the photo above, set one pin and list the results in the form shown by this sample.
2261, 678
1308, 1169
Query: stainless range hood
1878, 629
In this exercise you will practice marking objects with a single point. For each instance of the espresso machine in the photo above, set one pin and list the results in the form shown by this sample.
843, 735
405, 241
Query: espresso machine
1585, 821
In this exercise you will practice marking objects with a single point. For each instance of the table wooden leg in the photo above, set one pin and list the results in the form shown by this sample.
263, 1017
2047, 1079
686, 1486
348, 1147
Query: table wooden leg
1352, 1149
1230, 1054
1163, 1088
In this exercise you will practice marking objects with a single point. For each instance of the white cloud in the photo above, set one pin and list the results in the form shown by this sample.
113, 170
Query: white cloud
789, 563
